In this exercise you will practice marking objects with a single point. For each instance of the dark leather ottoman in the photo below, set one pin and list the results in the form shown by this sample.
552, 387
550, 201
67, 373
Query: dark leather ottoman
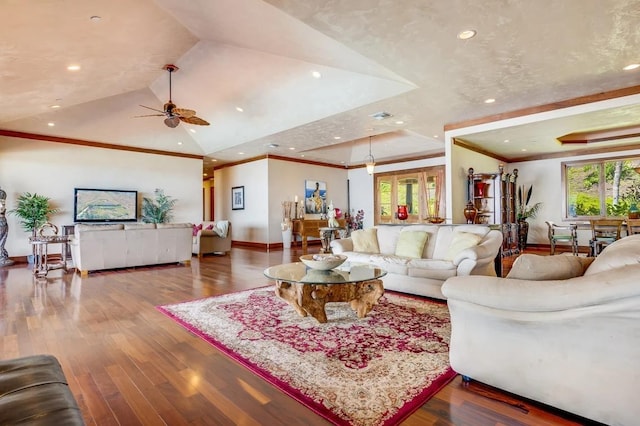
34, 391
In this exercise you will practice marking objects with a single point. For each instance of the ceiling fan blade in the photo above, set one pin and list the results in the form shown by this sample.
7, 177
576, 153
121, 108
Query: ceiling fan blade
183, 112
149, 115
195, 120
153, 109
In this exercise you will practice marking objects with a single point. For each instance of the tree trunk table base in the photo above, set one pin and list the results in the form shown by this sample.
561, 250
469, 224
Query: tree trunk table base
310, 299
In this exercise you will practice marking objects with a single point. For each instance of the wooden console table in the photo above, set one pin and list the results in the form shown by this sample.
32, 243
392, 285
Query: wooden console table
310, 228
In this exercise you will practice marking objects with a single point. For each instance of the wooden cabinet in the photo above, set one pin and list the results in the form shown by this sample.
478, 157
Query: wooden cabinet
305, 228
493, 194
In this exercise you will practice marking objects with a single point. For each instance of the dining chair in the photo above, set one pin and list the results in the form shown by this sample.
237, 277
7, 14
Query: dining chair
566, 234
603, 233
633, 226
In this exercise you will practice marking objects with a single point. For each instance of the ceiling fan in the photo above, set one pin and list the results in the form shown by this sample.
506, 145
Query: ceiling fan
173, 114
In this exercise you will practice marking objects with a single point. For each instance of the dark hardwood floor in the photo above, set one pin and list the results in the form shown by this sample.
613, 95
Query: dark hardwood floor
128, 364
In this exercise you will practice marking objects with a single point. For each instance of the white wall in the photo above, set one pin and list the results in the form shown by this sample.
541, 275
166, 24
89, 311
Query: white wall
55, 169
267, 183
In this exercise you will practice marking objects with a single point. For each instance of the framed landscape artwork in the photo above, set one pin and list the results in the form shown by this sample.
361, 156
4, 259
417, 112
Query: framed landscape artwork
237, 198
315, 197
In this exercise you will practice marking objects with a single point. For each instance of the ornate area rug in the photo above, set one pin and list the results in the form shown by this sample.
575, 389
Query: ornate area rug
371, 371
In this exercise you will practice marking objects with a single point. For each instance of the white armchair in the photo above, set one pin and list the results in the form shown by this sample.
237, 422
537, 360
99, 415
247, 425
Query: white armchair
572, 343
212, 237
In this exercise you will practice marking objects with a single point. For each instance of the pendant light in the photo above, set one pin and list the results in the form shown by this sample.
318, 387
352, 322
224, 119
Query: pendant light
369, 160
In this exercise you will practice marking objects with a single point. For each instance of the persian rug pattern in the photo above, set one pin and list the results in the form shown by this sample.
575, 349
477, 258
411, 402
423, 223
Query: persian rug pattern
370, 371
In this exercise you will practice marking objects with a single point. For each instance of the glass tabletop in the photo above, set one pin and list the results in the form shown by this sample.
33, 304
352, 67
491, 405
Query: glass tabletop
346, 273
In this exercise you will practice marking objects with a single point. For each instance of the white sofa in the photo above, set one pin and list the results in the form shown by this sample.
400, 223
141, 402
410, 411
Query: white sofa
212, 237
442, 256
108, 246
571, 341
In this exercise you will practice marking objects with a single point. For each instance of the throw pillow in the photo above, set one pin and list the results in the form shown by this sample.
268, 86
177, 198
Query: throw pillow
196, 229
209, 227
544, 268
462, 241
365, 240
411, 243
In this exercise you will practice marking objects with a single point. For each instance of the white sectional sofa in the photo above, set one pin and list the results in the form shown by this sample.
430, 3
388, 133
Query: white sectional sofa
449, 251
555, 334
110, 246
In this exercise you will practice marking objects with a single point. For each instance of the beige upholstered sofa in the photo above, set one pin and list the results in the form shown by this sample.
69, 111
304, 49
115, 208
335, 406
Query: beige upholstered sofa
212, 237
110, 246
571, 341
420, 266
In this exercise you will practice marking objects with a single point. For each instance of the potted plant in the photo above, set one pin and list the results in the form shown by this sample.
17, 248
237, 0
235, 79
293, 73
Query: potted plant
33, 211
524, 212
158, 210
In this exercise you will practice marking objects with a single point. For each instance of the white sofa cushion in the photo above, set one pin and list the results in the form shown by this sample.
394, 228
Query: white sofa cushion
542, 268
365, 240
411, 244
622, 252
430, 268
460, 242
390, 263
388, 238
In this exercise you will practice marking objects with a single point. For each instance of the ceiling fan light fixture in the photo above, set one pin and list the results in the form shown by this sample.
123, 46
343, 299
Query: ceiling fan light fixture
172, 121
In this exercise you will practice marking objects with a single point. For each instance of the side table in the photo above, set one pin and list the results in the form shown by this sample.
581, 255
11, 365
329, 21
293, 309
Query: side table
40, 244
327, 234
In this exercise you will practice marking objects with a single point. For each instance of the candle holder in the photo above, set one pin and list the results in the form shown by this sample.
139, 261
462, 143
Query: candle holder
296, 211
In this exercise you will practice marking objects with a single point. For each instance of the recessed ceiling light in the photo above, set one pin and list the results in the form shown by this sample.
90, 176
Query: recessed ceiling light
466, 34
489, 101
301, 155
54, 106
506, 141
51, 124
205, 175
524, 150
337, 137
192, 130
292, 148
436, 136
273, 145
179, 143
239, 109
73, 67
213, 160
631, 67
399, 122
95, 18
316, 74
241, 153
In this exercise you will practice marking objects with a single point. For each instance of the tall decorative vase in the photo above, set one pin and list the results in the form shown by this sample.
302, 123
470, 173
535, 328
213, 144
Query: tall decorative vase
482, 189
470, 212
523, 233
403, 214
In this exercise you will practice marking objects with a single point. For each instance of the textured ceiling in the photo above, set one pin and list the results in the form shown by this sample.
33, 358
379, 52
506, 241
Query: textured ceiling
398, 56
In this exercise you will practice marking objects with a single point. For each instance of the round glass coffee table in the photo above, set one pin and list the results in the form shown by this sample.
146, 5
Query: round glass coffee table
309, 290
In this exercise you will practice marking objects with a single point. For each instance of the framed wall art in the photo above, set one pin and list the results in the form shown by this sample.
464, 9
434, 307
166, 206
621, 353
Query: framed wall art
237, 198
315, 197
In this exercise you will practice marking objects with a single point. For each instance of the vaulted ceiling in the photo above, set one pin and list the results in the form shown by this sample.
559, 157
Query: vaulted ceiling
402, 57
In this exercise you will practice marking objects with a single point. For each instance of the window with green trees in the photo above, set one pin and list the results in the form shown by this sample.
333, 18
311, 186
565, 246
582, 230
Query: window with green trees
601, 188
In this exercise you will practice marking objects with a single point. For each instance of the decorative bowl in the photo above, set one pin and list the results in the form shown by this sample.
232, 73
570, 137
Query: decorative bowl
323, 262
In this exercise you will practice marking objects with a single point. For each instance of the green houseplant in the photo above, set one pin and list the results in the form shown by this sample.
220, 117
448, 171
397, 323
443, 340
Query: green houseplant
523, 212
33, 211
158, 210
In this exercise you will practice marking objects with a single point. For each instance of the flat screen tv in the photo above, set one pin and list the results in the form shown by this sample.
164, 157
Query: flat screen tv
105, 205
